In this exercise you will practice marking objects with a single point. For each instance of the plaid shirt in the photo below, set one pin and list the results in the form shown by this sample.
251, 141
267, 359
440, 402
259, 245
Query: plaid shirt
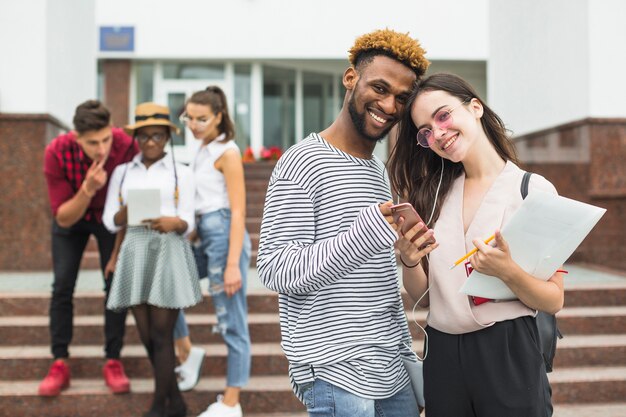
75, 164
66, 165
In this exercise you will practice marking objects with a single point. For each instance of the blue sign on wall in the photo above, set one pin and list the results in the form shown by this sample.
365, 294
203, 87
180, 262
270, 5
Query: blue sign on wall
117, 38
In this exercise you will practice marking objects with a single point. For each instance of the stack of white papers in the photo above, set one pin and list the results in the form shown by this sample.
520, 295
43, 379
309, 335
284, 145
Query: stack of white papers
542, 234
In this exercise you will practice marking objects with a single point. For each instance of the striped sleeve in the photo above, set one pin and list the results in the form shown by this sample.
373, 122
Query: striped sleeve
290, 260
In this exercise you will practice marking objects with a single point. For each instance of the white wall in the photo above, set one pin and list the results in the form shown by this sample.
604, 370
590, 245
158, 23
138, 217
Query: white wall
288, 29
607, 60
538, 71
22, 56
47, 51
71, 56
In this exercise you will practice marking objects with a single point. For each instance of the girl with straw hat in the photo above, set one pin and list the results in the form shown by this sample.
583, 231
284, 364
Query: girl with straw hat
155, 270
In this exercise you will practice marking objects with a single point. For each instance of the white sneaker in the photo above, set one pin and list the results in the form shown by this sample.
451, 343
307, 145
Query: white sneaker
189, 371
219, 409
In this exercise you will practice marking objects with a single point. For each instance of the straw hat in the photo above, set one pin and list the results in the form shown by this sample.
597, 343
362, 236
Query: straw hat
151, 114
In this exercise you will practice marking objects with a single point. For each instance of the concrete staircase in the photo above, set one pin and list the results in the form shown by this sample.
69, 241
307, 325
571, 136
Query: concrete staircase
257, 178
590, 367
25, 358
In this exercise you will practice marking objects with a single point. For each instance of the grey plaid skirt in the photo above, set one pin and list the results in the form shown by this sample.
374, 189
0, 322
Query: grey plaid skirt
154, 268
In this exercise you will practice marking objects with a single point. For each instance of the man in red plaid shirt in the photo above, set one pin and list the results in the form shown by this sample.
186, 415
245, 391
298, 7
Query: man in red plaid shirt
77, 167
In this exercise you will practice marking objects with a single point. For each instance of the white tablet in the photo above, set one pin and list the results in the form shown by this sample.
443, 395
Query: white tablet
143, 204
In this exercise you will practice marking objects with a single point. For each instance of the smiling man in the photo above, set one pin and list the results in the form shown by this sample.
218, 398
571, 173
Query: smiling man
326, 245
77, 167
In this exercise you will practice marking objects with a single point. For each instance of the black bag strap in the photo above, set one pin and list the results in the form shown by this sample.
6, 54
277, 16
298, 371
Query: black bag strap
525, 182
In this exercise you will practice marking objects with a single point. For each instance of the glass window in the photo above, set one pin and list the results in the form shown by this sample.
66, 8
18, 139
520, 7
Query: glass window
341, 94
176, 103
317, 103
241, 106
193, 71
279, 86
144, 76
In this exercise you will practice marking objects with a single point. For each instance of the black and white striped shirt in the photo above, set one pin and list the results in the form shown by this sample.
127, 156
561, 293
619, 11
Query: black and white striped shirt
328, 251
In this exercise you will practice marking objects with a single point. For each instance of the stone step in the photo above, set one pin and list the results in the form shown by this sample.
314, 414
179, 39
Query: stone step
254, 209
580, 387
253, 224
32, 362
91, 398
34, 304
254, 240
596, 294
262, 169
88, 330
257, 185
592, 320
91, 260
590, 410
588, 384
591, 350
255, 195
92, 244
264, 327
265, 301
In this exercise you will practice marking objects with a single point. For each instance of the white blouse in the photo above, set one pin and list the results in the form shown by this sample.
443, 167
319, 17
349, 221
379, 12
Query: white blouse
159, 175
211, 193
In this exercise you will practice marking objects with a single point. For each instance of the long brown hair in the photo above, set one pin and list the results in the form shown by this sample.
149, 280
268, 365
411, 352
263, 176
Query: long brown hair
414, 171
214, 97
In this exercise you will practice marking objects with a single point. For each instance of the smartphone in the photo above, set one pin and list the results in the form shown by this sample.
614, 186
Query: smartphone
411, 218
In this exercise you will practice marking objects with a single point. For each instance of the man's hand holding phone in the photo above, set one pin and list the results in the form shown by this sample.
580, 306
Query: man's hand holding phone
385, 210
416, 239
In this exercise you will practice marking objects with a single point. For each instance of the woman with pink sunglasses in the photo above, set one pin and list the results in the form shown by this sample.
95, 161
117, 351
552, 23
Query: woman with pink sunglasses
456, 164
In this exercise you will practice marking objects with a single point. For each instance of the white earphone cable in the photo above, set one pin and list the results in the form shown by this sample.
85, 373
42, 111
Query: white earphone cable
427, 289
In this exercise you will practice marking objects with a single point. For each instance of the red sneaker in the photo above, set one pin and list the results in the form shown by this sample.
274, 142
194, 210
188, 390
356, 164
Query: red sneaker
58, 378
115, 377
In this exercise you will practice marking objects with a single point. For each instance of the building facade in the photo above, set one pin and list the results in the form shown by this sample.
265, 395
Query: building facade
544, 67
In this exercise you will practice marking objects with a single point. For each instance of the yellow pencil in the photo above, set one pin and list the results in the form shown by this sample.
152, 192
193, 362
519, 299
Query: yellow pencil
473, 251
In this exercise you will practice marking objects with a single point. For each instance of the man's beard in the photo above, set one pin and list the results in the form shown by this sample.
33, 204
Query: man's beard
358, 120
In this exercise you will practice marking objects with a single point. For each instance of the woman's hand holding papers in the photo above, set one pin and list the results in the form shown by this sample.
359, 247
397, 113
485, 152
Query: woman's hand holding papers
535, 293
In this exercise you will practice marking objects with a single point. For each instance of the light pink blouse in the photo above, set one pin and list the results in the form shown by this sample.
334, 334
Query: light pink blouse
454, 312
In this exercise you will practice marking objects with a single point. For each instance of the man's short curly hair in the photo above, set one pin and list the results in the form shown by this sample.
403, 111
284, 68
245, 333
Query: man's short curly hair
399, 46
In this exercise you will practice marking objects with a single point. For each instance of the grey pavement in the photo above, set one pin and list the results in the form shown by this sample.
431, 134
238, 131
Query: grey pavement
91, 280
